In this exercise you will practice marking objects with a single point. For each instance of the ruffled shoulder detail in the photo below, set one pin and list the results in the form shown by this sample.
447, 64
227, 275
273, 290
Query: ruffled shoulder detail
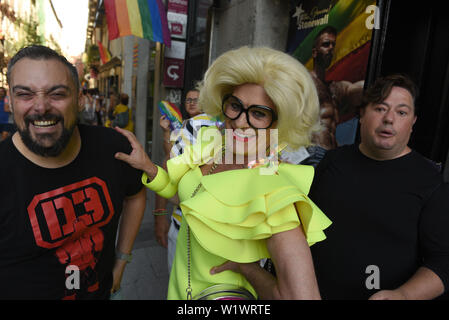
207, 146
239, 209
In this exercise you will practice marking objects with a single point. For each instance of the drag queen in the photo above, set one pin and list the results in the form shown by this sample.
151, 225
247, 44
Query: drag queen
239, 204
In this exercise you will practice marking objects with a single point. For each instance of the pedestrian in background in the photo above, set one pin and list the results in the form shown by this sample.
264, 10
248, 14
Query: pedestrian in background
6, 125
88, 115
112, 101
166, 231
122, 115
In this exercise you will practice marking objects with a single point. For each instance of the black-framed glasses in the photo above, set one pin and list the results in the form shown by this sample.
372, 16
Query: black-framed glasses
190, 100
258, 117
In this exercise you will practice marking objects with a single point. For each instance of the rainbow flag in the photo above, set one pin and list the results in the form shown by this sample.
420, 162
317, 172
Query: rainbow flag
104, 53
172, 113
141, 18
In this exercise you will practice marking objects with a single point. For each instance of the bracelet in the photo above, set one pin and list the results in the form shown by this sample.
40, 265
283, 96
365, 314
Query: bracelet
123, 256
160, 212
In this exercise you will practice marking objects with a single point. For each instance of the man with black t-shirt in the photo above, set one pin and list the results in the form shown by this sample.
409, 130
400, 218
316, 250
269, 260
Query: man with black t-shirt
62, 192
389, 207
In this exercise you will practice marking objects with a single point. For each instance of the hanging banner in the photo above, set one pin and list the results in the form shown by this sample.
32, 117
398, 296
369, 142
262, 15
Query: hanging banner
332, 38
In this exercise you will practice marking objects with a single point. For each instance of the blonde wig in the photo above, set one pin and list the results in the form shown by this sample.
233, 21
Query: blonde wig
286, 81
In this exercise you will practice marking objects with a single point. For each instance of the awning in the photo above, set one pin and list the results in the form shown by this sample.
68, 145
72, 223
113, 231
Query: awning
114, 62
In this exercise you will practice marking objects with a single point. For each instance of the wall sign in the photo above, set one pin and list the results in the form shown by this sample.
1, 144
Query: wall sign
174, 65
177, 18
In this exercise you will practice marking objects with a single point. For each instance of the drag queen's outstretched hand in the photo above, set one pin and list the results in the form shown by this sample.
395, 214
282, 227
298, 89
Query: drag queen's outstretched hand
138, 158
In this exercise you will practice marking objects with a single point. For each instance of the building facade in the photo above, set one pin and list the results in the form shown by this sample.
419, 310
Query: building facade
215, 26
25, 22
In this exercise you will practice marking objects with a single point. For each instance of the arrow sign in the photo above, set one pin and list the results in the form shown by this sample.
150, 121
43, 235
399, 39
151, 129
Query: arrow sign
171, 73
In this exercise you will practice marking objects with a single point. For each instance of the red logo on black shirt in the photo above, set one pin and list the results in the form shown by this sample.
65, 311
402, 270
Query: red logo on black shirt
59, 214
69, 218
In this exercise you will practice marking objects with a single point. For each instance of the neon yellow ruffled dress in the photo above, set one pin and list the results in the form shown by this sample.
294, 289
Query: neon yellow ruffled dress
232, 215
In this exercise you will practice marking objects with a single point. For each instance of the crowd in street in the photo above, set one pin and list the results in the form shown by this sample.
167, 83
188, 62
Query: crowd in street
110, 111
369, 222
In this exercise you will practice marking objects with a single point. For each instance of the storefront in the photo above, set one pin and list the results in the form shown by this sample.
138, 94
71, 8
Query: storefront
109, 76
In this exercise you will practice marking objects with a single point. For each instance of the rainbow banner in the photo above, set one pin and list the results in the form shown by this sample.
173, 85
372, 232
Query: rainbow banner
352, 50
142, 18
172, 113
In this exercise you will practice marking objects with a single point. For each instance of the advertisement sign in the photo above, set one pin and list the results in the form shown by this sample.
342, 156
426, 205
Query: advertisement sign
332, 38
177, 18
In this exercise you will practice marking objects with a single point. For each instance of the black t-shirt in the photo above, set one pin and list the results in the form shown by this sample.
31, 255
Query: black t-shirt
56, 224
383, 226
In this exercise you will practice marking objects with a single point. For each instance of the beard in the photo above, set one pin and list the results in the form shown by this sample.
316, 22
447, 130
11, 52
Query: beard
34, 145
324, 60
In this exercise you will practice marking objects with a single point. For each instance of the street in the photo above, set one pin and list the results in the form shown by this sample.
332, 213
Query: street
146, 276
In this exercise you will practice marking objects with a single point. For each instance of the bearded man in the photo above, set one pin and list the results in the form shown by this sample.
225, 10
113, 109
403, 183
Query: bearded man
62, 193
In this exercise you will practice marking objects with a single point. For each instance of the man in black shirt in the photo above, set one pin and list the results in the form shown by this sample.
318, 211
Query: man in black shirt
389, 209
62, 193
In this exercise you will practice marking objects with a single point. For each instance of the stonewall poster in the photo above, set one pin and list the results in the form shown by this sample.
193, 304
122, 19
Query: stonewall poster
332, 38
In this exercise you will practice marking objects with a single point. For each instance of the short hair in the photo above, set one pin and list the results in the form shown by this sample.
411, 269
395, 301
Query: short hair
124, 99
286, 81
194, 88
38, 52
327, 29
381, 89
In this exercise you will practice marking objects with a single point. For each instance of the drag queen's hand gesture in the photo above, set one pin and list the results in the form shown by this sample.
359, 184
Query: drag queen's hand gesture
138, 158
